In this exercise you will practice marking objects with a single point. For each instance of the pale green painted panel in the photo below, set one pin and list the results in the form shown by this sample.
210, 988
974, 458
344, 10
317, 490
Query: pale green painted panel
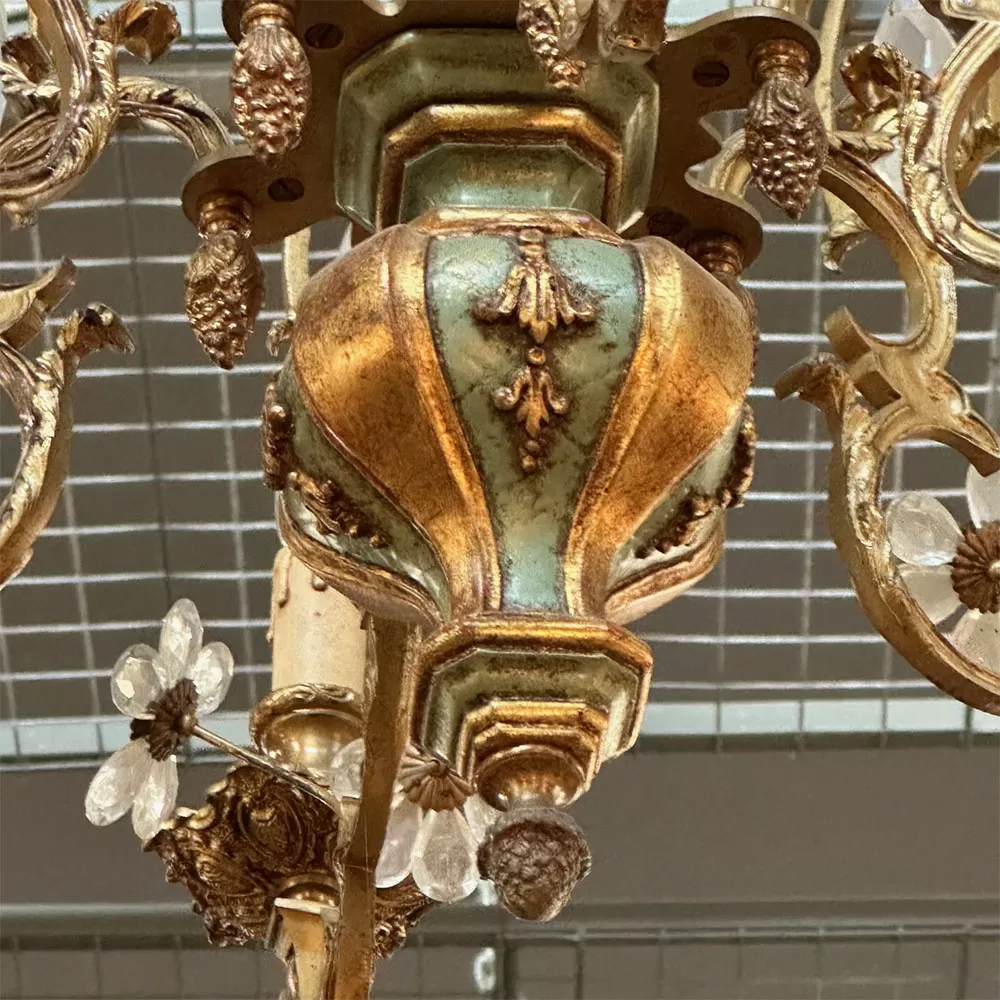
531, 513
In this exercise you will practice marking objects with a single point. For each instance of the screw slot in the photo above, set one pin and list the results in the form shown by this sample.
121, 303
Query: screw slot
710, 73
323, 35
286, 189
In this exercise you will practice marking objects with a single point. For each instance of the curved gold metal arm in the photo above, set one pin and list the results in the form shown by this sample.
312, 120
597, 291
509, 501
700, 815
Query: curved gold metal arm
931, 134
42, 391
52, 148
34, 172
911, 397
875, 395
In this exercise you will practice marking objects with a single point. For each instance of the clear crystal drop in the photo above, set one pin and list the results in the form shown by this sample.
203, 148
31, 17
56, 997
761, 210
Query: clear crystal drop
117, 782
984, 496
444, 859
890, 168
345, 770
481, 816
134, 681
156, 799
932, 589
978, 638
180, 640
921, 531
400, 837
211, 673
920, 36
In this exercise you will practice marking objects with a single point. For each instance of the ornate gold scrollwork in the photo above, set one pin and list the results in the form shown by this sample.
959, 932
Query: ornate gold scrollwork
256, 838
909, 396
74, 99
68, 87
875, 395
932, 128
41, 391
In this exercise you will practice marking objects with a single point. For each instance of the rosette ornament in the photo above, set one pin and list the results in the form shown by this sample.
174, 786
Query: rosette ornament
164, 691
948, 568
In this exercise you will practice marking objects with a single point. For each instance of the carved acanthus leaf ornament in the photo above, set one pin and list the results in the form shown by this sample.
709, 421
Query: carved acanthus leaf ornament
541, 299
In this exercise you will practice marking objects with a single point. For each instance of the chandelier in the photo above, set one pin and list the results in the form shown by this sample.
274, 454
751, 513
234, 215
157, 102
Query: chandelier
510, 418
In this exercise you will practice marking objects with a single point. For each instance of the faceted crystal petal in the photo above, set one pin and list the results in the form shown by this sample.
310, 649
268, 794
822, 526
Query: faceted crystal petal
180, 640
978, 638
481, 816
984, 496
932, 589
211, 672
388, 8
134, 681
400, 838
920, 36
116, 784
345, 770
444, 859
921, 531
156, 799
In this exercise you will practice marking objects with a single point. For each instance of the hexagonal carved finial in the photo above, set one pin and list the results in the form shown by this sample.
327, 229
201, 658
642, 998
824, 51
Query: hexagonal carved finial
534, 856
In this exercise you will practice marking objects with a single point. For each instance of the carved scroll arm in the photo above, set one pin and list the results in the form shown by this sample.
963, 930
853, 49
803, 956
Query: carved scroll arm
932, 134
51, 149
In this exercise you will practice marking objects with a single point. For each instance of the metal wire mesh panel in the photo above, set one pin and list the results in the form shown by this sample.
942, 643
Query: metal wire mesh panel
793, 962
165, 498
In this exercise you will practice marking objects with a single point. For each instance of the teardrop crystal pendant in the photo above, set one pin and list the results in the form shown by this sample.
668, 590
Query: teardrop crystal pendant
400, 839
444, 859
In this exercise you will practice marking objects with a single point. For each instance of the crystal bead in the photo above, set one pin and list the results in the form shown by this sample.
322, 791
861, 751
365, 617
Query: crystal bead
156, 799
921, 531
134, 681
117, 782
400, 837
211, 673
932, 589
481, 816
180, 640
345, 770
921, 37
984, 496
978, 638
444, 858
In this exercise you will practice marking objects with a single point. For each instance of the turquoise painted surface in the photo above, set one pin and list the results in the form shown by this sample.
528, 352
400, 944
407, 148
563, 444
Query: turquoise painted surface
531, 513
407, 553
474, 174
